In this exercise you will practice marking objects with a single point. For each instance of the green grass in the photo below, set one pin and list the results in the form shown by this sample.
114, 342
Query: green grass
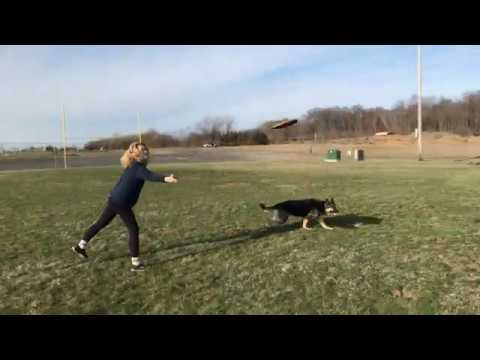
210, 250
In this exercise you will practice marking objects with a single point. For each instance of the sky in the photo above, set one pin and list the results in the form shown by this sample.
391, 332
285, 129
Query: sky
171, 88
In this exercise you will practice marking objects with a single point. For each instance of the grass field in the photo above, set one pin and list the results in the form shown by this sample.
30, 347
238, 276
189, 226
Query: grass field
210, 250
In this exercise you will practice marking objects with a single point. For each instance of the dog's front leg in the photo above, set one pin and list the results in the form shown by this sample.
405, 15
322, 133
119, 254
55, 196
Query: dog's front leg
304, 225
325, 226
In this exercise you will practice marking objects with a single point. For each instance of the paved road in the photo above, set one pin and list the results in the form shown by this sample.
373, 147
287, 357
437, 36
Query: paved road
108, 159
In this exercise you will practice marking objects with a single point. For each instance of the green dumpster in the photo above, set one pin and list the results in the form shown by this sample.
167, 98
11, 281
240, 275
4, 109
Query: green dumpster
333, 155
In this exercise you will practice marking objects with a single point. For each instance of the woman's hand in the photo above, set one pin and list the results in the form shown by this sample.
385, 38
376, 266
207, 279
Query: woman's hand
171, 179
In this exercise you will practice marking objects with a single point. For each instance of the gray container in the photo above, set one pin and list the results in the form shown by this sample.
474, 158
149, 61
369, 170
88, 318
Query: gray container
359, 155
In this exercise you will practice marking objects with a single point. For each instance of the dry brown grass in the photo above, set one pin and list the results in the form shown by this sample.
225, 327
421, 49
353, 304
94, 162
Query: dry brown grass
436, 146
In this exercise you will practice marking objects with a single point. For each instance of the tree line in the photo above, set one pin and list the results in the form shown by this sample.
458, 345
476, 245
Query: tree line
460, 116
217, 130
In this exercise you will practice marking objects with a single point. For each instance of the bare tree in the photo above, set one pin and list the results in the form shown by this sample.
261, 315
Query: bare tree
213, 127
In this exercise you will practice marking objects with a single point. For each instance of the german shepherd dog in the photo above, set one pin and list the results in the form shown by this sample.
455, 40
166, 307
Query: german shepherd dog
308, 209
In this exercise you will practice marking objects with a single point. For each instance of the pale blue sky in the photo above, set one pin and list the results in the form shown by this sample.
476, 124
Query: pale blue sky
174, 87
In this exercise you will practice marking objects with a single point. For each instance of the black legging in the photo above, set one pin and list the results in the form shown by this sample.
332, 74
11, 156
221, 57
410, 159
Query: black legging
127, 216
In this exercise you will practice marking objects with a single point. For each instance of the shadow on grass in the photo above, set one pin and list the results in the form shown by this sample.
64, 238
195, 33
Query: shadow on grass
216, 243
352, 221
191, 247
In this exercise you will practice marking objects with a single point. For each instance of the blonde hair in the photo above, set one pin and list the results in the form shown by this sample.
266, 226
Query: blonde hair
134, 153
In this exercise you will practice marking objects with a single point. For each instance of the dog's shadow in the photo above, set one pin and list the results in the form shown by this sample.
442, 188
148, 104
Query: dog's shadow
352, 221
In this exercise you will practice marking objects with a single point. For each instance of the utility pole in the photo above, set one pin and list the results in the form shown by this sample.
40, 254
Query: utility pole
419, 101
314, 141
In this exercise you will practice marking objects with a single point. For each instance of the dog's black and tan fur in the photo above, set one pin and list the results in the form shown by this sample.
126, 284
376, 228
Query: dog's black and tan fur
308, 209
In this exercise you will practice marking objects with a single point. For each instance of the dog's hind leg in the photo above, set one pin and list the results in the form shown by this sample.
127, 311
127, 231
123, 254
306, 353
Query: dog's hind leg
305, 224
279, 216
325, 226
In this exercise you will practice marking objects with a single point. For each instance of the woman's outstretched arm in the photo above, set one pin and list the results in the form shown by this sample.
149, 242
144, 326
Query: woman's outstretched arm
145, 174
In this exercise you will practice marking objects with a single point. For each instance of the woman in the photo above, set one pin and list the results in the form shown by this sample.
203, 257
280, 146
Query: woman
123, 198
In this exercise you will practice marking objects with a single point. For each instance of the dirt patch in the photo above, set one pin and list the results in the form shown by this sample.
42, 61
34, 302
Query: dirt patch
404, 293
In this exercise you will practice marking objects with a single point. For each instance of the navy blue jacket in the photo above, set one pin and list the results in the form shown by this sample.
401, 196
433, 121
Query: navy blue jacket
128, 188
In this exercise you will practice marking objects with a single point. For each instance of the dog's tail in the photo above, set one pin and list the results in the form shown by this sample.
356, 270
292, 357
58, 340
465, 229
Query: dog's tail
264, 207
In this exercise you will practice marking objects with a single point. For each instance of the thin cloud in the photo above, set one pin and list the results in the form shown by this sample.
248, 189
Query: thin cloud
173, 87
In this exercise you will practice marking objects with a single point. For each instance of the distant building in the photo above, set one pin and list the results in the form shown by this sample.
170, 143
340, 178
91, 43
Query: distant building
381, 128
383, 133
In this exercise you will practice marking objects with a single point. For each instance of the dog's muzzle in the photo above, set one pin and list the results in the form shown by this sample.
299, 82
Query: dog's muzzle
331, 212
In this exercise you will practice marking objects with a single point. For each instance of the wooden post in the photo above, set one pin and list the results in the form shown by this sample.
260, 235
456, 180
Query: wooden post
64, 140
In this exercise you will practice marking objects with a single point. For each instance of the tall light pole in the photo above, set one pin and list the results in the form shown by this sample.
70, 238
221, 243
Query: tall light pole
419, 101
138, 128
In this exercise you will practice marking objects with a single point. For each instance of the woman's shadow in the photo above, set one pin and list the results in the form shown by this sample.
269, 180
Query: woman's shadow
192, 247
